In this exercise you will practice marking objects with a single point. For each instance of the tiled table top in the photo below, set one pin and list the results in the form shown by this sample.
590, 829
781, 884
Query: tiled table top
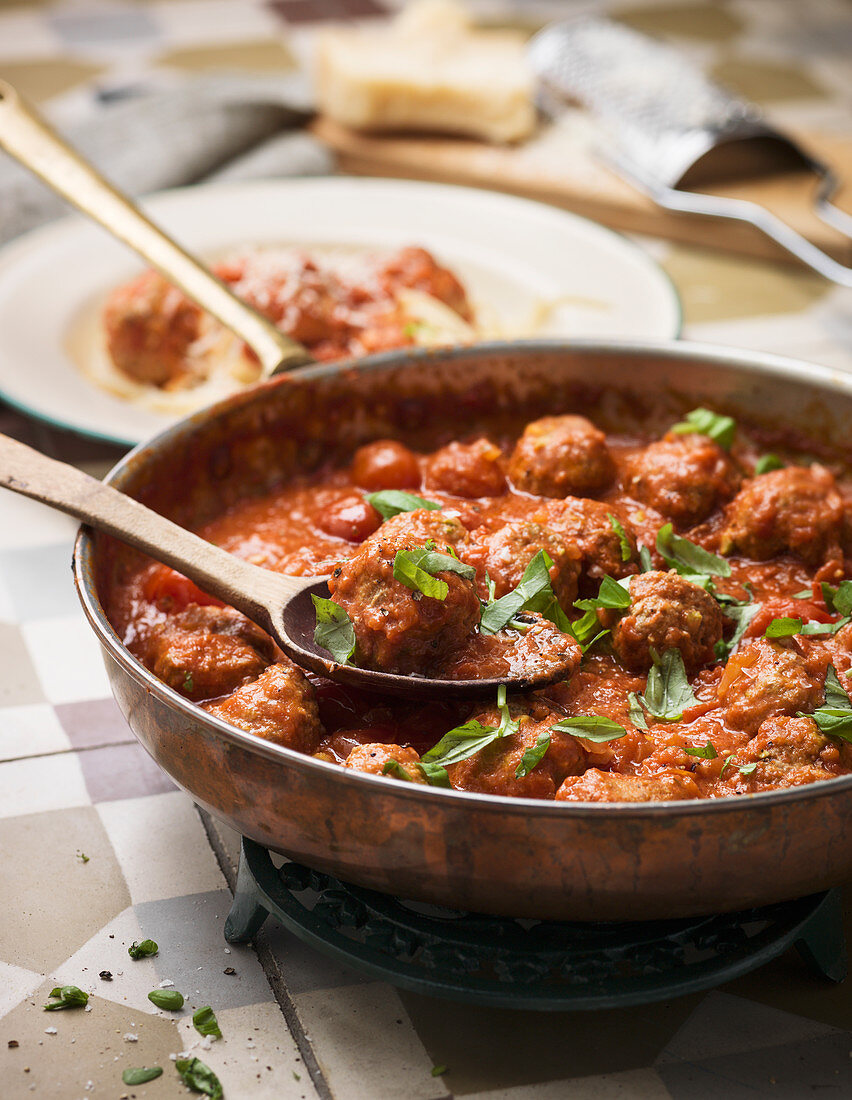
99, 849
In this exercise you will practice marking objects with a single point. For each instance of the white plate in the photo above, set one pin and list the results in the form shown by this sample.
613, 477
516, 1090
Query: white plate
511, 254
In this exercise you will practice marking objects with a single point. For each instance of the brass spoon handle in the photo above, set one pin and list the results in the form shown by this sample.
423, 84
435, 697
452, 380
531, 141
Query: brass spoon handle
244, 586
28, 138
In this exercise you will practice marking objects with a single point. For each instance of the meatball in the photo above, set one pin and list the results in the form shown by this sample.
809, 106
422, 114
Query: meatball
372, 759
206, 651
560, 456
599, 786
667, 612
796, 509
398, 629
785, 752
492, 769
506, 551
683, 477
421, 525
418, 269
466, 470
385, 464
280, 706
587, 525
150, 326
763, 680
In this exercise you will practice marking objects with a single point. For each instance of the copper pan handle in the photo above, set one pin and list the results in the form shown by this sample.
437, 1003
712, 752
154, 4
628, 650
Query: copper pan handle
29, 139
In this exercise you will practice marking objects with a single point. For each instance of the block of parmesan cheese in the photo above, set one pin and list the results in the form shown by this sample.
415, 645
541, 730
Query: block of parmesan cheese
427, 70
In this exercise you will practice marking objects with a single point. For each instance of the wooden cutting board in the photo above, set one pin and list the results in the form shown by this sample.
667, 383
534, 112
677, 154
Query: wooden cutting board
557, 166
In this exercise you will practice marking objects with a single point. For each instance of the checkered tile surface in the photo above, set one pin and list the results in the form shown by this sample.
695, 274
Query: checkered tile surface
73, 781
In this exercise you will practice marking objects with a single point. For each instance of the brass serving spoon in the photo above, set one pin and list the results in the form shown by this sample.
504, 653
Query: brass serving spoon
29, 139
280, 605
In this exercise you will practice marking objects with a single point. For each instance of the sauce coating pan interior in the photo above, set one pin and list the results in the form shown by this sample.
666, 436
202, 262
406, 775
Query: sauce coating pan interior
499, 855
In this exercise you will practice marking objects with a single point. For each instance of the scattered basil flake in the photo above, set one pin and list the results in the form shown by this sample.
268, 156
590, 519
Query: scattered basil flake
587, 630
741, 614
439, 1071
142, 1075
826, 628
168, 999
416, 568
834, 717
69, 997
534, 592
707, 752
721, 429
393, 767
591, 727
464, 741
637, 715
611, 595
334, 630
726, 763
766, 463
805, 594
783, 628
199, 1078
392, 502
188, 682
645, 562
838, 599
618, 527
688, 558
435, 774
83, 858
533, 755
142, 949
747, 769
667, 693
205, 1023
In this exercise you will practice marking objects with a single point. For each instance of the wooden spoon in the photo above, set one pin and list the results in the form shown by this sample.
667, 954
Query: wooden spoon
29, 139
280, 605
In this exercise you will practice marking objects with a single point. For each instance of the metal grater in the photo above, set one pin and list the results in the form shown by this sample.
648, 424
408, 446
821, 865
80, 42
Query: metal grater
667, 128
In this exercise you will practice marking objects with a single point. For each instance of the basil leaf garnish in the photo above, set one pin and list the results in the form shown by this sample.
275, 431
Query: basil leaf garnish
826, 628
834, 717
721, 429
534, 592
667, 693
767, 463
837, 599
334, 630
533, 755
618, 527
465, 741
783, 628
69, 997
416, 568
205, 1023
392, 502
645, 562
142, 949
169, 999
687, 558
705, 753
742, 614
142, 1075
591, 728
611, 595
393, 767
805, 594
637, 715
747, 769
199, 1078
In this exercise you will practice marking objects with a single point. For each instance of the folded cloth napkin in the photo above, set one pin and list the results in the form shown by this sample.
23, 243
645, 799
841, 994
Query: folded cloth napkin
224, 128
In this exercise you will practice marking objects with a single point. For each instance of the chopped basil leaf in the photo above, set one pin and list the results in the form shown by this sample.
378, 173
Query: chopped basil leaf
533, 755
645, 562
834, 717
69, 997
534, 583
805, 594
439, 1071
611, 595
747, 769
188, 683
687, 558
742, 614
591, 728
587, 630
626, 547
199, 1078
637, 715
465, 741
783, 628
334, 630
726, 763
83, 858
767, 463
205, 1023
435, 774
416, 568
169, 999
838, 599
392, 502
667, 692
142, 949
721, 429
393, 767
142, 1075
705, 753
826, 628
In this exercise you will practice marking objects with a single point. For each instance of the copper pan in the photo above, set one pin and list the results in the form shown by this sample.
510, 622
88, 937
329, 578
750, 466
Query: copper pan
496, 855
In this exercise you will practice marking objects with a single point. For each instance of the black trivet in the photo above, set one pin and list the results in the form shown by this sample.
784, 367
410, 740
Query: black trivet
528, 964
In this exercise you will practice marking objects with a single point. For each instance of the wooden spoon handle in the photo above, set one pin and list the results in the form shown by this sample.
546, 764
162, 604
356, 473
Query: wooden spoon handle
244, 586
29, 139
